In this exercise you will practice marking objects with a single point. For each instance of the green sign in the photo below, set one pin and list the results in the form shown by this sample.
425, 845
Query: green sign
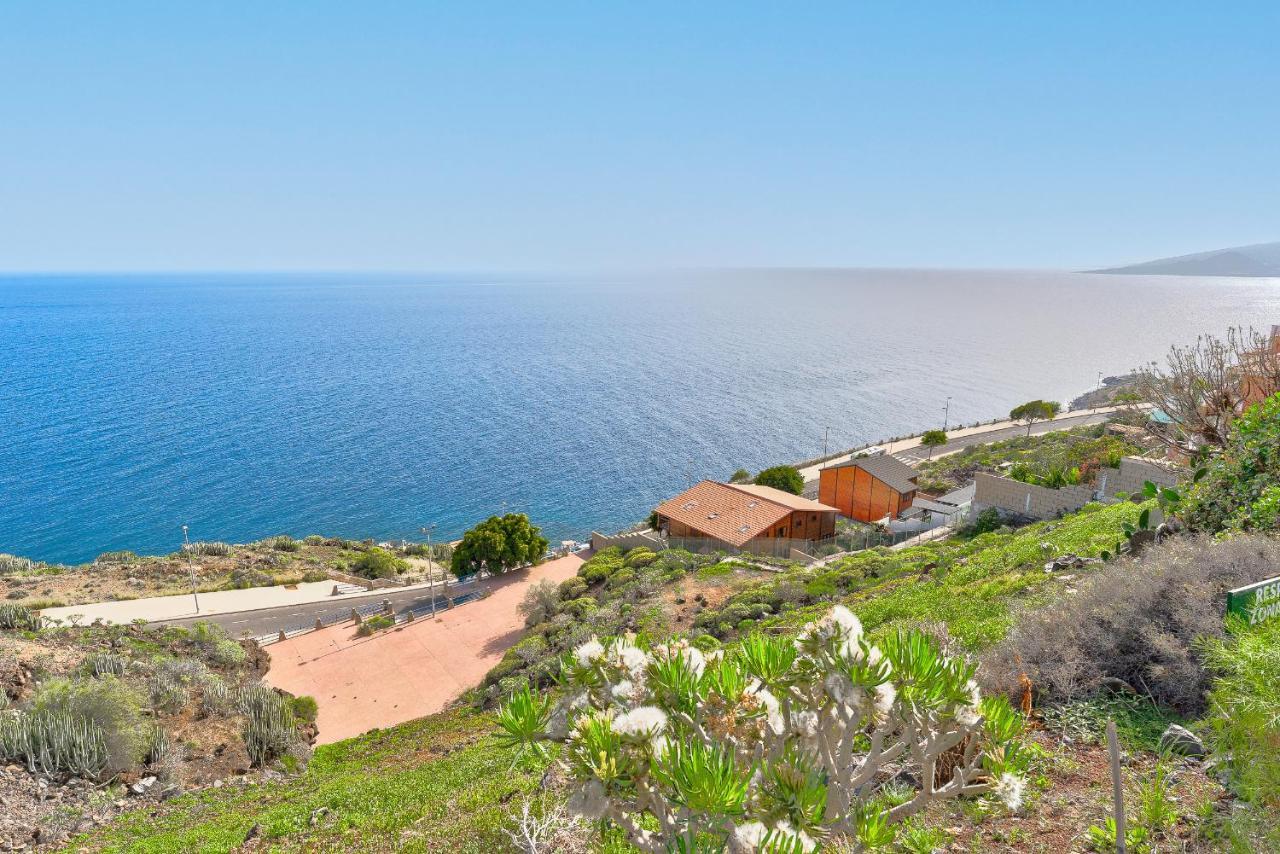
1256, 602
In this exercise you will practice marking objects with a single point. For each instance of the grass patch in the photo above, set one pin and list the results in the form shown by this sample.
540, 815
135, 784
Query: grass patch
440, 783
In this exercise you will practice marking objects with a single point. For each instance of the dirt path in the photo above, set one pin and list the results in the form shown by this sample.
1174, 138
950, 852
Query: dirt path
410, 671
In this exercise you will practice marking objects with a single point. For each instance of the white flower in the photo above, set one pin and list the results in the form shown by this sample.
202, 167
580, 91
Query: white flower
772, 709
886, 694
849, 624
641, 722
589, 800
630, 657
1009, 789
805, 723
589, 652
697, 662
842, 689
747, 838
623, 690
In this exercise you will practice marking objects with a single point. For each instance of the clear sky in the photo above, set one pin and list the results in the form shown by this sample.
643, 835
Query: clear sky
534, 135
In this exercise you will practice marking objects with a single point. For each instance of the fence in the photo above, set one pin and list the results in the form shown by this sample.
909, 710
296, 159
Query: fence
443, 603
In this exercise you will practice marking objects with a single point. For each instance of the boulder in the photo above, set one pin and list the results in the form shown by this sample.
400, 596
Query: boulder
1181, 742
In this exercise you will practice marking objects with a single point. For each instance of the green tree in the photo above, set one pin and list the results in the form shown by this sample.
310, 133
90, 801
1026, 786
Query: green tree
1035, 410
932, 439
740, 476
786, 478
1239, 488
497, 544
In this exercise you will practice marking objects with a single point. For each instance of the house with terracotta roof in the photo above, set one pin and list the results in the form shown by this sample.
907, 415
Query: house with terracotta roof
868, 488
745, 517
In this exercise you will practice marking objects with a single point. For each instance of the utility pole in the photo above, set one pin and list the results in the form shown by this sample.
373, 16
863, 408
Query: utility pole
431, 565
191, 567
946, 414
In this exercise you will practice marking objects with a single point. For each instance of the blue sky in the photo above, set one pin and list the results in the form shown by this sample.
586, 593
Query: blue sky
437, 136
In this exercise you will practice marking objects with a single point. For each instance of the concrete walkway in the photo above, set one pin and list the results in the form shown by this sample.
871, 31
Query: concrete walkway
410, 671
164, 608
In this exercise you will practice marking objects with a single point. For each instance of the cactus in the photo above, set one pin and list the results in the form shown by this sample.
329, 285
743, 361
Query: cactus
117, 557
53, 743
282, 543
211, 549
18, 617
216, 697
270, 728
11, 564
105, 664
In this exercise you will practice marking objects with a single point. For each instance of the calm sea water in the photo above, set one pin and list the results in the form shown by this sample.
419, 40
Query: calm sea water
245, 406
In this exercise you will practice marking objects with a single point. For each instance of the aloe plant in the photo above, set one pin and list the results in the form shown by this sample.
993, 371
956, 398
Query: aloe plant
774, 745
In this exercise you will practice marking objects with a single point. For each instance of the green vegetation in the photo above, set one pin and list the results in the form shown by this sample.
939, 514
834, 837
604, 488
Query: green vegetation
1085, 449
18, 617
1243, 725
740, 476
786, 478
498, 544
375, 623
1239, 490
1035, 410
378, 563
968, 585
440, 783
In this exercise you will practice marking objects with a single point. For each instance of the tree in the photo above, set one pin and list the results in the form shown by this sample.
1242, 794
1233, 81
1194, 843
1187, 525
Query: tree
932, 439
774, 744
540, 602
786, 478
740, 476
1190, 402
497, 544
1239, 488
1035, 410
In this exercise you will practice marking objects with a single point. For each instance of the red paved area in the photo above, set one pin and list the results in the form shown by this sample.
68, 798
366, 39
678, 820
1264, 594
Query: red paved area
410, 671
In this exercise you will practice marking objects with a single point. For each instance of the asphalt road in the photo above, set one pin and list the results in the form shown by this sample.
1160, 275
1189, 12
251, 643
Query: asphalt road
268, 620
912, 456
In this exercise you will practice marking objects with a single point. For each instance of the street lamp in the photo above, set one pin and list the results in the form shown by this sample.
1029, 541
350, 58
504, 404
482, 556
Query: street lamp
946, 414
431, 566
191, 567
826, 432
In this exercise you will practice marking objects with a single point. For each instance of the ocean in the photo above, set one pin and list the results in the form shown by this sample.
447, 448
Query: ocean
372, 405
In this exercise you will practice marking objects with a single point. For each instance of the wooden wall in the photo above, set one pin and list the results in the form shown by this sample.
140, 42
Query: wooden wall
858, 495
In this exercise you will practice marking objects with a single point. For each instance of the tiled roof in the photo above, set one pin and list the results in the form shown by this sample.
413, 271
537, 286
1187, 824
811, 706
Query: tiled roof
734, 513
887, 469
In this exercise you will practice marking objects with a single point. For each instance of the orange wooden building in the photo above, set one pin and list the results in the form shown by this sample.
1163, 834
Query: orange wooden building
745, 516
869, 488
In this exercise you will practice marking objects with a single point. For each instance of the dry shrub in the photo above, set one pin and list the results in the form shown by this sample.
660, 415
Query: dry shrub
1139, 622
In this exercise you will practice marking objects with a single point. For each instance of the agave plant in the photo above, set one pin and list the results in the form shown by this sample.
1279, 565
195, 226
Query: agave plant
774, 745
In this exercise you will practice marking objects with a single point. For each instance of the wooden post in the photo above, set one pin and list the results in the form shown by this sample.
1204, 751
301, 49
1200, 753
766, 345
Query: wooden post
1117, 785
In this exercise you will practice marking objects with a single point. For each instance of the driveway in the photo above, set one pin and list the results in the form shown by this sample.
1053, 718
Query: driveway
413, 670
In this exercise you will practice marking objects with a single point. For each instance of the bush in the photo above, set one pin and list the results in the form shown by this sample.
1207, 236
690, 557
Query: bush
172, 683
778, 739
1139, 622
304, 708
107, 704
601, 565
314, 575
540, 602
18, 617
245, 577
216, 698
1240, 488
639, 557
1244, 708
580, 607
282, 543
378, 563
572, 588
786, 478
228, 653
376, 623
117, 557
104, 664
313, 540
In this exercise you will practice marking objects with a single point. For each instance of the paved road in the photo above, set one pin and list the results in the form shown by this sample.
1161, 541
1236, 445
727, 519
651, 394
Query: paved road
1062, 422
270, 620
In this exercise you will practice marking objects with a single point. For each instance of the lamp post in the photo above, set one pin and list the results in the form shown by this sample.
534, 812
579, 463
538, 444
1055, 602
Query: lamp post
826, 432
431, 566
946, 414
191, 568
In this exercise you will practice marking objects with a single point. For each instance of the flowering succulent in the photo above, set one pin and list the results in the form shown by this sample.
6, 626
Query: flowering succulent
772, 745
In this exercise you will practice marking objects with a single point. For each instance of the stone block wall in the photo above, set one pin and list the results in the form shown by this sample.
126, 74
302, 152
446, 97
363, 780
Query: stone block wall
1040, 502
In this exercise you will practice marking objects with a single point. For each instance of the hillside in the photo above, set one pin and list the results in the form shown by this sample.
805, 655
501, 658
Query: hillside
1259, 259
